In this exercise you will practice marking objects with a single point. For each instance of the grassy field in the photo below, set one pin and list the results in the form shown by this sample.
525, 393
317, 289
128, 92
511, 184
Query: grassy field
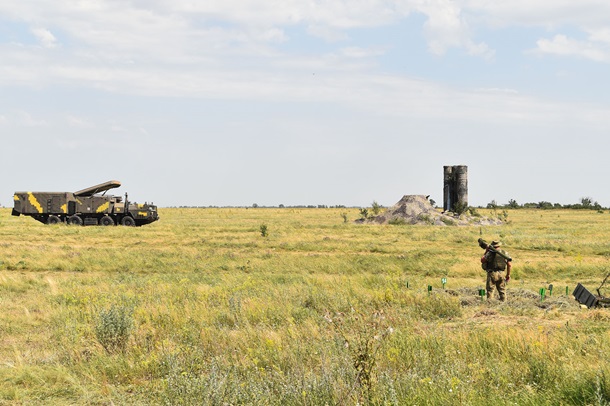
201, 308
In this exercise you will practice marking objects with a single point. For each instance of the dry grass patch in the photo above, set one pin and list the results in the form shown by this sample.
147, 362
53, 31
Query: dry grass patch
201, 308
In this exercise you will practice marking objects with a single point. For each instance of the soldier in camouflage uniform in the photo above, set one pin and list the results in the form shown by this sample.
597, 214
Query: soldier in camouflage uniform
497, 268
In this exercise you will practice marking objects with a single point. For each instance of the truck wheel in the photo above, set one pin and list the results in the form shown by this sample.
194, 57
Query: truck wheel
75, 220
53, 220
128, 221
107, 221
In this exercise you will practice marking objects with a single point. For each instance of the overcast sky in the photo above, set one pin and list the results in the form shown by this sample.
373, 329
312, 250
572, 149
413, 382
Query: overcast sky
236, 102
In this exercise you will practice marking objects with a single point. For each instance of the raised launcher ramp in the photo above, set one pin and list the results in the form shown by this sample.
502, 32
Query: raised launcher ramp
102, 187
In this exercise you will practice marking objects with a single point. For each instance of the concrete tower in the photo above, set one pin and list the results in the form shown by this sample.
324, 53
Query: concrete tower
455, 187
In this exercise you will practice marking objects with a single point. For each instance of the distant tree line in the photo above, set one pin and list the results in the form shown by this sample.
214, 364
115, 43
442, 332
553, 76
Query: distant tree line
586, 203
256, 206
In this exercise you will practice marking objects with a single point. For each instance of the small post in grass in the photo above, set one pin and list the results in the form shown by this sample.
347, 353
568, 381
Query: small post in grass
444, 282
542, 292
407, 284
551, 289
482, 293
429, 289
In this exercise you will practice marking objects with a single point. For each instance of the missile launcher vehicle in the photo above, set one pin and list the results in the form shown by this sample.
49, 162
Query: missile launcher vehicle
90, 206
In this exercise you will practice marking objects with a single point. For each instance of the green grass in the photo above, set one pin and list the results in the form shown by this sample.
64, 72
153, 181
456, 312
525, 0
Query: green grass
201, 308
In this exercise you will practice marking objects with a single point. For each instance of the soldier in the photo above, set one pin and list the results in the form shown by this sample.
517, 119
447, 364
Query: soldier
497, 263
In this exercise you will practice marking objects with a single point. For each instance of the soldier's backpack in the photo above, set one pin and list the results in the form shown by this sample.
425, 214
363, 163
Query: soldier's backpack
494, 262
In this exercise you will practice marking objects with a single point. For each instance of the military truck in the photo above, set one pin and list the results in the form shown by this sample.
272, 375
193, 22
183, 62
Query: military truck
89, 206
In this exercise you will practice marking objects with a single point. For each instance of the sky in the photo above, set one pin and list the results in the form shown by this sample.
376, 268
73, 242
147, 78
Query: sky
336, 102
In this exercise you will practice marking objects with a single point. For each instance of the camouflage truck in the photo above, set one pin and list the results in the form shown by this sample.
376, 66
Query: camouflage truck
89, 206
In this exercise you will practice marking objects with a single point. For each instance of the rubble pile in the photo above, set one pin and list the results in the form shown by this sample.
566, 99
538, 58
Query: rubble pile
416, 209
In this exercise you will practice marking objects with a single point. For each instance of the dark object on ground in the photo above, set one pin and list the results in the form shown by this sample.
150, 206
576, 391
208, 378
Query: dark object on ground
583, 296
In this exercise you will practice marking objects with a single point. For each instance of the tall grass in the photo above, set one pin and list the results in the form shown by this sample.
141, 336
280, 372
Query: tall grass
199, 308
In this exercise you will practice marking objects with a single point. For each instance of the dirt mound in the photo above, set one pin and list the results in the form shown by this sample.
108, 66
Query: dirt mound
416, 209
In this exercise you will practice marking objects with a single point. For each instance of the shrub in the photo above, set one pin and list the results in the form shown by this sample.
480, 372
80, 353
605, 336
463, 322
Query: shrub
460, 208
113, 327
586, 202
545, 205
448, 221
344, 217
473, 212
426, 218
376, 208
363, 336
397, 221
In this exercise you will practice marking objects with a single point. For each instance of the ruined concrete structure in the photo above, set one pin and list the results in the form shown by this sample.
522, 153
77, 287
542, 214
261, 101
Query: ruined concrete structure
455, 191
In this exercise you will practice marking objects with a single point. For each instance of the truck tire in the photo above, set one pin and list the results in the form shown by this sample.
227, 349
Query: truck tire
107, 221
53, 220
75, 220
128, 221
